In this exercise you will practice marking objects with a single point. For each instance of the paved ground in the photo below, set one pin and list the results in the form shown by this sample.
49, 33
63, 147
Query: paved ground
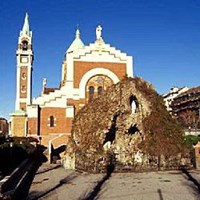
55, 183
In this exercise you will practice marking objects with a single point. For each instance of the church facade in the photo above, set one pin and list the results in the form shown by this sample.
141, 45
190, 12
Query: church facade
87, 70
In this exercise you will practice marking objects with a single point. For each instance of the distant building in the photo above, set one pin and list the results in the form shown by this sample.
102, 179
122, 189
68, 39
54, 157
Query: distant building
186, 108
87, 70
3, 126
169, 97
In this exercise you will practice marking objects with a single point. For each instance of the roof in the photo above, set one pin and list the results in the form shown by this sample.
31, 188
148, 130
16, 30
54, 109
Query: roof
26, 28
191, 90
48, 90
77, 43
3, 119
175, 90
18, 113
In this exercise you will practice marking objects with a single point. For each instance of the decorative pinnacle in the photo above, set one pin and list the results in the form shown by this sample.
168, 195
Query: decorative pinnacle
77, 33
25, 28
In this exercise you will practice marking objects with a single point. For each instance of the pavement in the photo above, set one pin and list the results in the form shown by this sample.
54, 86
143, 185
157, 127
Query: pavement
52, 182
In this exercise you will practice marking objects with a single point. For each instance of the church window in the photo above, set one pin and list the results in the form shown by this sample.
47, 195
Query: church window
96, 85
51, 121
100, 90
91, 91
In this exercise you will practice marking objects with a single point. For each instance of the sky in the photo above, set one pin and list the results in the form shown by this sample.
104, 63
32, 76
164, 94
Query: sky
163, 36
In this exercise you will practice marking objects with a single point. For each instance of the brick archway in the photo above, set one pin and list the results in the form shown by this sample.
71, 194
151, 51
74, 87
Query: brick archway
93, 72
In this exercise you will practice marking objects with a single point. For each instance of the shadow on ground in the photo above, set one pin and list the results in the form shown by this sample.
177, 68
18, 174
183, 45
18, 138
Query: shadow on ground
95, 192
160, 194
36, 195
48, 169
195, 183
21, 190
38, 158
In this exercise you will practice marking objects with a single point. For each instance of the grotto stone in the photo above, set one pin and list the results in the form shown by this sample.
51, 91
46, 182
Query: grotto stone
110, 129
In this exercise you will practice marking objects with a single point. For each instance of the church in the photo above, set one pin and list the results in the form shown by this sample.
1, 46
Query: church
87, 70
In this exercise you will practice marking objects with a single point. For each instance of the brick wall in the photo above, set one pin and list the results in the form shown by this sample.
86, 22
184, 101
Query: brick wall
62, 124
81, 68
18, 126
76, 103
33, 126
3, 126
22, 106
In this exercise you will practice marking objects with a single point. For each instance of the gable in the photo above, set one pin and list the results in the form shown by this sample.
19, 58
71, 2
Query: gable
100, 52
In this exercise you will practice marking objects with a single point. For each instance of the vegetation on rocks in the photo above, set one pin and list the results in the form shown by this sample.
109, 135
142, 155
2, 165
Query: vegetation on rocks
163, 134
129, 120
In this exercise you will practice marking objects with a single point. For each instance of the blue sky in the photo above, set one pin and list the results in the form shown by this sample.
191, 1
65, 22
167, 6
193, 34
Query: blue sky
163, 36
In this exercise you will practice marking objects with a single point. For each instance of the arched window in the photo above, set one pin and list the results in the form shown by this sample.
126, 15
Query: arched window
24, 45
100, 90
52, 121
91, 92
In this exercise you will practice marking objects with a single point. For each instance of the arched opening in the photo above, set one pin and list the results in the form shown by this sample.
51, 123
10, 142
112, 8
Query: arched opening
96, 85
24, 45
96, 72
100, 90
133, 104
91, 92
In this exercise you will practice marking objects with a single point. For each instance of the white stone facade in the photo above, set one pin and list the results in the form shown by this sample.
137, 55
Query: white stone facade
97, 52
169, 97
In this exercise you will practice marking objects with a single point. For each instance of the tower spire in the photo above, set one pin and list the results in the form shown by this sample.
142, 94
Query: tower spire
77, 43
26, 29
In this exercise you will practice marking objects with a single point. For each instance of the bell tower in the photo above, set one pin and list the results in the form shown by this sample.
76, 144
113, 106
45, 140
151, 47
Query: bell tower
24, 55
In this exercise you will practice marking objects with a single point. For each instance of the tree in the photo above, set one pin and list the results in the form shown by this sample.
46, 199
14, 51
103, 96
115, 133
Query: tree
188, 119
